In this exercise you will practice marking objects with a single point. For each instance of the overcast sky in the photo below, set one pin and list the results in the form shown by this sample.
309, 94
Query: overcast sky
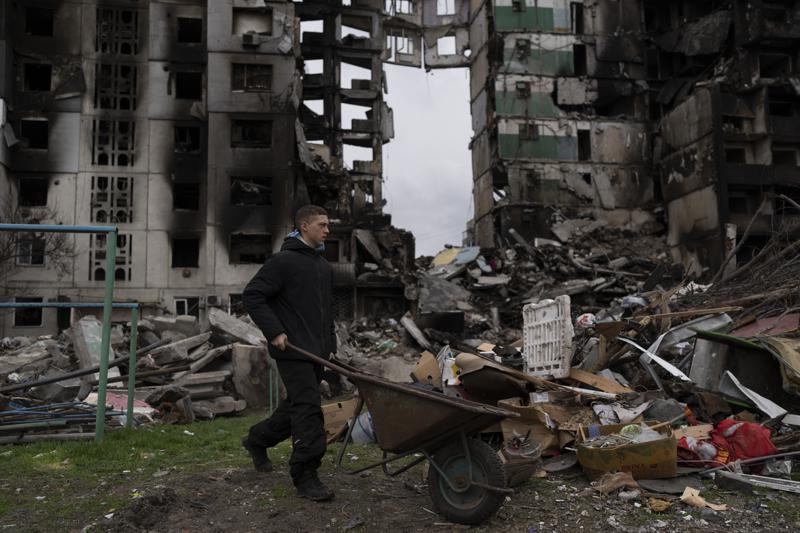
427, 166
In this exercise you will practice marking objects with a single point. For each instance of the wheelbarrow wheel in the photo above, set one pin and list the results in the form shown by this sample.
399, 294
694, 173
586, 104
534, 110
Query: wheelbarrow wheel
475, 504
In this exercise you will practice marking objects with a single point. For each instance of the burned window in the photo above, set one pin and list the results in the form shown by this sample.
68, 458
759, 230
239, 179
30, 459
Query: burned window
117, 31
113, 142
528, 132
185, 252
39, 21
250, 248
774, 65
576, 11
190, 30
189, 85
34, 133
30, 250
186, 196
786, 156
115, 87
251, 191
735, 155
250, 20
251, 133
250, 77
32, 192
28, 317
112, 199
97, 257
579, 63
187, 139
38, 77
189, 305
584, 145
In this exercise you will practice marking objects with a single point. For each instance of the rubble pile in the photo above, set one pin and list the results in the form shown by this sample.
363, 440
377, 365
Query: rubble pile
184, 372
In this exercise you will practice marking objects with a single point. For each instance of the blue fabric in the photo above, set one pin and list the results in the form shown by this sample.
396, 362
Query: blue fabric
296, 235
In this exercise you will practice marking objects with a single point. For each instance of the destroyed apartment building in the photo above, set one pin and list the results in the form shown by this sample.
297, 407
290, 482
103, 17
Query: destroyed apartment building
181, 123
198, 127
612, 109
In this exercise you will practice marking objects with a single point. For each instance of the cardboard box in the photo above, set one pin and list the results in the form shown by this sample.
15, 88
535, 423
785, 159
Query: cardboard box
647, 460
427, 370
533, 421
337, 414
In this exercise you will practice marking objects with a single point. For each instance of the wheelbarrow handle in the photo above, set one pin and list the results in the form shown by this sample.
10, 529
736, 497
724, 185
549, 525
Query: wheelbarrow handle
336, 367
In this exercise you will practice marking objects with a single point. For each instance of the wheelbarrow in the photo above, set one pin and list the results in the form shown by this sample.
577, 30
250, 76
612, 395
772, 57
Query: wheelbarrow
466, 480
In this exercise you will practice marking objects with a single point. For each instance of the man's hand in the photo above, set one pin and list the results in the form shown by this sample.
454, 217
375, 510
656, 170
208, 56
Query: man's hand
280, 342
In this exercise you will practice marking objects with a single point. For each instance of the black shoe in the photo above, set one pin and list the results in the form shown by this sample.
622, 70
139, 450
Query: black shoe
309, 486
259, 456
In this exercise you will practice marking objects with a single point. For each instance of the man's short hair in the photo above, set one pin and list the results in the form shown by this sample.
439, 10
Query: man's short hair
307, 212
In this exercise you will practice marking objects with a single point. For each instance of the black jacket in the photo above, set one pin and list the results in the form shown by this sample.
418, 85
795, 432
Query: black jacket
293, 294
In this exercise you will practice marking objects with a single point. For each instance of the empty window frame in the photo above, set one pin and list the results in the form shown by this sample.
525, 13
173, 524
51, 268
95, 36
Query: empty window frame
250, 248
445, 7
785, 156
528, 132
113, 142
774, 65
584, 145
188, 85
249, 77
187, 139
252, 20
30, 250
251, 191
186, 196
579, 62
34, 134
251, 133
399, 7
576, 12
32, 192
97, 257
189, 305
37, 77
117, 31
115, 86
39, 21
30, 317
190, 30
185, 252
111, 199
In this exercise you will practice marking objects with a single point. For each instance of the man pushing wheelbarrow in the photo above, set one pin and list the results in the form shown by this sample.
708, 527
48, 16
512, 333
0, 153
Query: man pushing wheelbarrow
290, 300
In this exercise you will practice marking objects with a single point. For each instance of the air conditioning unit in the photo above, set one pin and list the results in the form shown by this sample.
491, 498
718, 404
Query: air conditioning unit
251, 39
212, 299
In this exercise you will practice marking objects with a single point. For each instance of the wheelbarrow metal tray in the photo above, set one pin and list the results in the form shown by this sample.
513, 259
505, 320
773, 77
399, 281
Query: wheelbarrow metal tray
407, 418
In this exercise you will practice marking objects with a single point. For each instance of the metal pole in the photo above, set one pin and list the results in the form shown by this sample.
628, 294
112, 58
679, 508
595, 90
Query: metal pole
105, 342
132, 364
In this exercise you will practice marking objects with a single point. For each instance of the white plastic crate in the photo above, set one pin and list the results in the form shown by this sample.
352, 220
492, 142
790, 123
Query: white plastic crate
547, 334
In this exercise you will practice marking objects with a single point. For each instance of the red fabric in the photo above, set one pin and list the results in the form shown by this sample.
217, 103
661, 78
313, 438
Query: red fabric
743, 440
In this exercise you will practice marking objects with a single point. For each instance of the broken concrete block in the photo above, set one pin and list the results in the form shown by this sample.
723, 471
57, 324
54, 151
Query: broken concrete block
61, 391
222, 405
174, 403
209, 356
172, 336
87, 339
233, 329
251, 373
206, 378
178, 351
146, 338
23, 358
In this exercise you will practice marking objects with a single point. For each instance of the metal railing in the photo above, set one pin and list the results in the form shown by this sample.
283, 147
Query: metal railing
108, 303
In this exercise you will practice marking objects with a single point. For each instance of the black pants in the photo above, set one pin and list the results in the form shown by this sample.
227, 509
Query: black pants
298, 416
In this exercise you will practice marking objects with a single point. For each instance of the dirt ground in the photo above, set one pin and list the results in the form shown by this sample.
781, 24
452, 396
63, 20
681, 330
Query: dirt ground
244, 500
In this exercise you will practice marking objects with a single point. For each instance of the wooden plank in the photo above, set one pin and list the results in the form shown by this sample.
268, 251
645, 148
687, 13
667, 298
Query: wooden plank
598, 382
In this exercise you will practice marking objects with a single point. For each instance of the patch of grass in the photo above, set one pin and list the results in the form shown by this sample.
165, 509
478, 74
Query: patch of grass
71, 474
